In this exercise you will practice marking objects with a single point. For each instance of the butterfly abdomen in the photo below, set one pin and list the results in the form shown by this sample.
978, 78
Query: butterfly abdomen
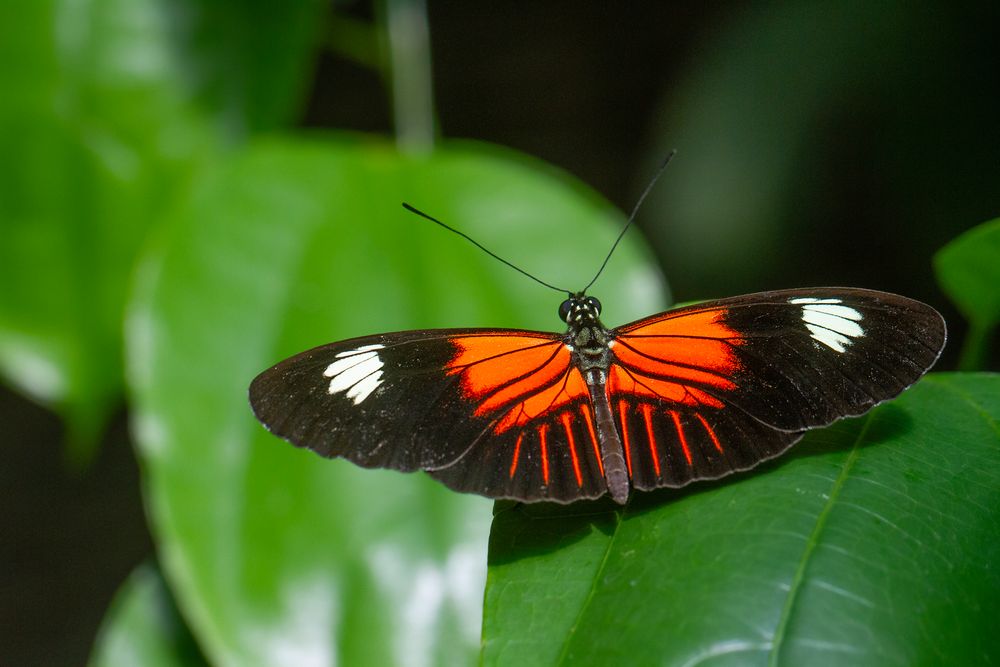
612, 454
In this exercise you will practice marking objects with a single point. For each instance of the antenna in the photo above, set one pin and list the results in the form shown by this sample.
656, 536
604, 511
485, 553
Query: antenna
631, 218
479, 245
628, 223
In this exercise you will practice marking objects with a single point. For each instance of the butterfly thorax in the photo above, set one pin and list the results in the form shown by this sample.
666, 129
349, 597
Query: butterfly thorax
586, 336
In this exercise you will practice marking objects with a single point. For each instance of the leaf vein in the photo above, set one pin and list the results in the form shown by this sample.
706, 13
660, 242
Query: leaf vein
564, 652
798, 579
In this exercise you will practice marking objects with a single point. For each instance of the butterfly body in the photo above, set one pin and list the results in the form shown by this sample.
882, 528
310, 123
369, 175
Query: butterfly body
590, 343
693, 393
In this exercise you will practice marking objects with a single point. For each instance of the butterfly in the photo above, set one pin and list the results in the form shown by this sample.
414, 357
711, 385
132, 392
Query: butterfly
689, 394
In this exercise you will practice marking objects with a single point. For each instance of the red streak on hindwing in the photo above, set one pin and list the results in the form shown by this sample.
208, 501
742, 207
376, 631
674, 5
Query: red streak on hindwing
646, 410
517, 454
567, 424
626, 445
711, 432
545, 452
680, 434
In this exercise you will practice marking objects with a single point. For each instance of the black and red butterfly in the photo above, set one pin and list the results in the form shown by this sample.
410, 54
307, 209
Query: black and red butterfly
692, 393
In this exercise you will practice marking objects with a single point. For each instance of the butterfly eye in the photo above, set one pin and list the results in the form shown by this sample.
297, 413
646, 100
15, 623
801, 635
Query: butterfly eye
594, 304
564, 309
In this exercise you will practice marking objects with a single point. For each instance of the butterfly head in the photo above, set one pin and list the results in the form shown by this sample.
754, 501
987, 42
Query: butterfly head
580, 310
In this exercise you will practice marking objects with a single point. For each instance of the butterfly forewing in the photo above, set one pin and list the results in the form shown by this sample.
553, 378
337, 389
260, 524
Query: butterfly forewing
797, 359
494, 412
723, 385
371, 400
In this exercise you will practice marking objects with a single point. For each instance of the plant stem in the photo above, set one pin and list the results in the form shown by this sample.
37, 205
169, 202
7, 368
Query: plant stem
975, 347
409, 69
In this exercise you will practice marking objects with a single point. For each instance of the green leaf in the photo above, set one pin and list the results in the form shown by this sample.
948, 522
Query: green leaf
249, 62
143, 627
107, 106
93, 133
968, 270
276, 555
873, 543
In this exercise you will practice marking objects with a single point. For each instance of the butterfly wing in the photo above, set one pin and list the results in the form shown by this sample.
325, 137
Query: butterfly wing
696, 392
705, 390
498, 412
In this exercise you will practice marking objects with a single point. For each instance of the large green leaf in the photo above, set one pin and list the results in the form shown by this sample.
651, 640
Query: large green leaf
874, 543
144, 628
968, 270
92, 129
249, 63
280, 557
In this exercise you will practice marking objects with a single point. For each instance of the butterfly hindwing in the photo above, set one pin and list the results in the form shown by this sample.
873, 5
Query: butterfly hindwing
667, 445
554, 456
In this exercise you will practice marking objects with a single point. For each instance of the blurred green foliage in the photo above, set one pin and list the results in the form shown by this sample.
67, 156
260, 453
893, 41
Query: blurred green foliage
109, 105
143, 627
156, 201
968, 269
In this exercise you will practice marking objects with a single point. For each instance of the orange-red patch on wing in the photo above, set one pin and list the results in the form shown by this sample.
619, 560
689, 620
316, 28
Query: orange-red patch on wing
715, 360
544, 402
499, 369
696, 347
697, 323
622, 382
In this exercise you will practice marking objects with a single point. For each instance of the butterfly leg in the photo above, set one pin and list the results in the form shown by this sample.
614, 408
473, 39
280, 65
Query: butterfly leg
612, 454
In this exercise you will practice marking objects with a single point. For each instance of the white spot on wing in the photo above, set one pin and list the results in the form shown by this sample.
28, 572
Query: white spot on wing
338, 367
831, 339
845, 312
345, 378
357, 372
819, 316
829, 322
363, 389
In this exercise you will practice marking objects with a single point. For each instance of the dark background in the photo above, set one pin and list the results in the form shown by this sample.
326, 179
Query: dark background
894, 158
